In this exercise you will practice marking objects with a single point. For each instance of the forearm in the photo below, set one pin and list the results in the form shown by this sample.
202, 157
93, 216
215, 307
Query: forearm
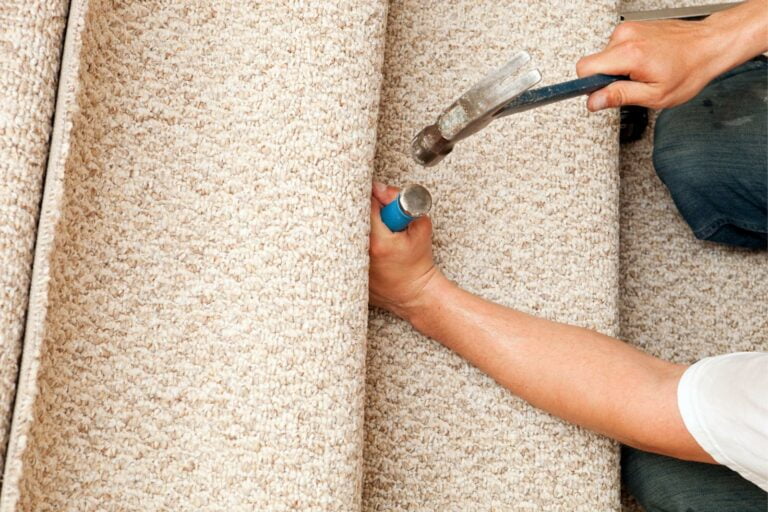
579, 375
738, 34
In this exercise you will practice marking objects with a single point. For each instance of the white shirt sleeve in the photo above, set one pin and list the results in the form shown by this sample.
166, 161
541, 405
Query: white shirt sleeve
724, 404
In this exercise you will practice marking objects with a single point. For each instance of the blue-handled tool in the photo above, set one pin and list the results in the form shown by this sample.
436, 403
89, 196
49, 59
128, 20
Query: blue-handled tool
414, 201
501, 93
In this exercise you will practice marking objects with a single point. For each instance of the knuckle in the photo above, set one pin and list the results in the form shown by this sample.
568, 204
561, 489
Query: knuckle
378, 249
633, 50
392, 193
625, 30
581, 66
618, 97
657, 99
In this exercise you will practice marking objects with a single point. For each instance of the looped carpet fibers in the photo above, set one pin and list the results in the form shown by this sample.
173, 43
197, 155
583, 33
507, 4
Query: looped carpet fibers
197, 333
31, 38
199, 329
526, 214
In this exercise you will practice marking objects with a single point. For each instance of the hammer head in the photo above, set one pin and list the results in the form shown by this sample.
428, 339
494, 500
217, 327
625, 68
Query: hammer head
429, 146
474, 109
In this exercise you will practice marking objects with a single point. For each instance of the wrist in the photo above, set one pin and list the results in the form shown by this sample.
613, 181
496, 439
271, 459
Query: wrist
737, 35
420, 311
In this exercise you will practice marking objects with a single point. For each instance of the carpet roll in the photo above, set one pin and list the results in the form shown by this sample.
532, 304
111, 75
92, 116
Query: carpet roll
199, 335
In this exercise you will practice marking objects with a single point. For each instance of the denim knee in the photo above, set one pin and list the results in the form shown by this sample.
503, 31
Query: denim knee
710, 198
664, 484
712, 156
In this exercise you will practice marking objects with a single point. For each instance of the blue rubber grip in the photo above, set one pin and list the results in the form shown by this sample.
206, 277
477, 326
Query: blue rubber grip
557, 92
394, 217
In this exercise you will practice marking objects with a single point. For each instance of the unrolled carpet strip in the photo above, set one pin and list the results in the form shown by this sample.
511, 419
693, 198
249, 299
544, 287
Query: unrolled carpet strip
526, 214
683, 299
198, 317
31, 38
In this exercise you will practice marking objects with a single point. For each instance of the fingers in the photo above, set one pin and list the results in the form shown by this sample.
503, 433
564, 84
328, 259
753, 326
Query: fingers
417, 230
615, 60
379, 230
620, 55
625, 58
383, 193
624, 92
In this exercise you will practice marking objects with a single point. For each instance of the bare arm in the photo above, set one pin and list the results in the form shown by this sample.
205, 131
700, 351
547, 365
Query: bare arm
577, 374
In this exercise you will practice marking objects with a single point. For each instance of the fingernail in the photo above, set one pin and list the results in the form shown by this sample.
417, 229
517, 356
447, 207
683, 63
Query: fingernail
599, 102
379, 187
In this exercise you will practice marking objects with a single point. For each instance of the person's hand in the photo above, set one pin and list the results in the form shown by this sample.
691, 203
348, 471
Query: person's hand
401, 263
668, 63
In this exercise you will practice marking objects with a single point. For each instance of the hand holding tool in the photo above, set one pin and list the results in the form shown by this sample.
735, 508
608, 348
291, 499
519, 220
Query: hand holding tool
414, 201
501, 93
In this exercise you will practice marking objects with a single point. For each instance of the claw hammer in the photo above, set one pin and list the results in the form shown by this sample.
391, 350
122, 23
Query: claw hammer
503, 92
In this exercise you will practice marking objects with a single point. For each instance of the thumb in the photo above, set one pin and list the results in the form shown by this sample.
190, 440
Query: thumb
623, 92
421, 229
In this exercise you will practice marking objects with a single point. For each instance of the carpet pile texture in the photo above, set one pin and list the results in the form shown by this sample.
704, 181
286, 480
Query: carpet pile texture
197, 330
199, 339
526, 214
31, 38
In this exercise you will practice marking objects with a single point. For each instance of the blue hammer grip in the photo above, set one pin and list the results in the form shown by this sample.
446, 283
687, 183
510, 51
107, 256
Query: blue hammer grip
557, 92
394, 217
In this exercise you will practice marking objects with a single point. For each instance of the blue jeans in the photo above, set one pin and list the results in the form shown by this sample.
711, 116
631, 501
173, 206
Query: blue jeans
712, 154
664, 484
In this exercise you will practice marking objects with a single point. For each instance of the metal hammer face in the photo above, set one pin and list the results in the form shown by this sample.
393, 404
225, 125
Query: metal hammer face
474, 109
429, 146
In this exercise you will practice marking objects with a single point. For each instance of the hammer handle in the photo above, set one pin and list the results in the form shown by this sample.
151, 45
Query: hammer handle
557, 92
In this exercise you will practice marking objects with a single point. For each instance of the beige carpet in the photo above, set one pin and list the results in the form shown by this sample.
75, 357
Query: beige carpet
526, 214
196, 336
200, 343
31, 37
683, 299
